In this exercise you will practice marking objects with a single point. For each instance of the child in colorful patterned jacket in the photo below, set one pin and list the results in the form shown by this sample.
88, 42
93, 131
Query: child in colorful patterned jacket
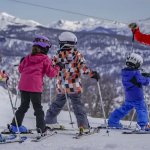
73, 66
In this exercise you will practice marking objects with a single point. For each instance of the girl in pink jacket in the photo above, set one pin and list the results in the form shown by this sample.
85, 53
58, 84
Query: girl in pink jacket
32, 69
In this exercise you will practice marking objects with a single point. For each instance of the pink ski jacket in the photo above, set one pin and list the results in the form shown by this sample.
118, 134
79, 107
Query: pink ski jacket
33, 69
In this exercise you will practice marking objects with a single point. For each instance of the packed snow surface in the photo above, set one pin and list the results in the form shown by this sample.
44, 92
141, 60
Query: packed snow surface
63, 140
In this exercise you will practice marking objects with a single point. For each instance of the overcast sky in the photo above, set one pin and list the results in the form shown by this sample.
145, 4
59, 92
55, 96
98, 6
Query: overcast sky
118, 10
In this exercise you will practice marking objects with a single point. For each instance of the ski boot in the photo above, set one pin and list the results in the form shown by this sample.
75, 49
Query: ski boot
22, 129
82, 130
145, 128
116, 125
55, 126
44, 133
1, 138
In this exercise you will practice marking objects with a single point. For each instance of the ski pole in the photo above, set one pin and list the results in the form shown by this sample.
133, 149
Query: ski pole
50, 102
67, 99
17, 92
16, 99
146, 104
13, 109
99, 90
133, 41
132, 52
132, 118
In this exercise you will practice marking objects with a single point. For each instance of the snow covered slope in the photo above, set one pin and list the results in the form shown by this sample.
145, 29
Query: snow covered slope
63, 140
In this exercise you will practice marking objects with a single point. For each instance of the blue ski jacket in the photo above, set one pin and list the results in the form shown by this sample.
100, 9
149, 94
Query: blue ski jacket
133, 81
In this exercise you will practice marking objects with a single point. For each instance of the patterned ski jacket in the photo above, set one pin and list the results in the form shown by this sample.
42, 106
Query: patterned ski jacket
74, 66
142, 38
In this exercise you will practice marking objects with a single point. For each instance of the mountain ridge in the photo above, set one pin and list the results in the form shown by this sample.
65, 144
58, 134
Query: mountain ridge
87, 25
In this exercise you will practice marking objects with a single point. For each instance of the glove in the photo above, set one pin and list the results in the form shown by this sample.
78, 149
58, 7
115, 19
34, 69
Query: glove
146, 74
3, 76
60, 65
133, 26
95, 75
22, 59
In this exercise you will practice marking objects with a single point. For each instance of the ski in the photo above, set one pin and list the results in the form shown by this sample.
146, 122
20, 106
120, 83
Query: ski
60, 129
9, 137
114, 128
103, 126
80, 135
13, 141
40, 138
137, 132
7, 131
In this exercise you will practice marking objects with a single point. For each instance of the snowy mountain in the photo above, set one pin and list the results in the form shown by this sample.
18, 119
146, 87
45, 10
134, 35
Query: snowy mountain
101, 26
92, 25
6, 20
87, 25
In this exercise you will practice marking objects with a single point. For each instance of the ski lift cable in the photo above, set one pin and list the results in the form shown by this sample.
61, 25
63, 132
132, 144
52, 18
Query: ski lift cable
66, 11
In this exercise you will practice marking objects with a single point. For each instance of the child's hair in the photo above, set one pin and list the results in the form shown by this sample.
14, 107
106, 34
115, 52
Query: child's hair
35, 50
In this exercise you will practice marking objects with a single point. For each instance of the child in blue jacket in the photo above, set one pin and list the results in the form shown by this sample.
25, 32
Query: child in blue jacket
132, 81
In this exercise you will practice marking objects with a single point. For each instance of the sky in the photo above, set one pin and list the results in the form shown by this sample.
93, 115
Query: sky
125, 11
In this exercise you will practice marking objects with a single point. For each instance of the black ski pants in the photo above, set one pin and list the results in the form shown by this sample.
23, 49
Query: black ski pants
35, 98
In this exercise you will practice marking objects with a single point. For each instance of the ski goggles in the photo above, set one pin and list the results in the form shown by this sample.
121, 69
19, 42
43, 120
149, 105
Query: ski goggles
43, 40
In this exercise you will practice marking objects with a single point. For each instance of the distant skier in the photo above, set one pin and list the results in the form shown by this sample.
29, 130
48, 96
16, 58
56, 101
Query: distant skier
132, 81
3, 75
74, 66
140, 37
33, 68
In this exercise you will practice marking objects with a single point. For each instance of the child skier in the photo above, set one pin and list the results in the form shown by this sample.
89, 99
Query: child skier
132, 81
140, 37
33, 68
74, 66
3, 75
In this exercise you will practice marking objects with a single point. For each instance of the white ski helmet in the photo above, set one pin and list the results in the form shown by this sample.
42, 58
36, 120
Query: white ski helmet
134, 60
67, 39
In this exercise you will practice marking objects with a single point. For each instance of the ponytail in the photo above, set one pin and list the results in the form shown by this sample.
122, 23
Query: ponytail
36, 49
